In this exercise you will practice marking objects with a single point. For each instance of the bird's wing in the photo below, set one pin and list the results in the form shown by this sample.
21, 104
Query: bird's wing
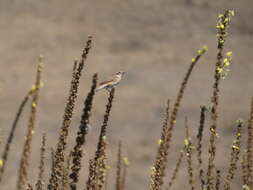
104, 84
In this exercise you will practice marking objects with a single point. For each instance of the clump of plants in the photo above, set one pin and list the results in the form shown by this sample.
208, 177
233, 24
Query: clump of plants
66, 166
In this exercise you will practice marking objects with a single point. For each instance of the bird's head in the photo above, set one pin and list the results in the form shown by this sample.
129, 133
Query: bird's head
120, 73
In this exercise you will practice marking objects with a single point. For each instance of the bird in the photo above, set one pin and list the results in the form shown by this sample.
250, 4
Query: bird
109, 84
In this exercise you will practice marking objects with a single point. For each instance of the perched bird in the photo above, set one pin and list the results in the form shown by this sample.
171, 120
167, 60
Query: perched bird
111, 83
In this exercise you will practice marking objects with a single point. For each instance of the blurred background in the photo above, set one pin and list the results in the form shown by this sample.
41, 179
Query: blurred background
154, 42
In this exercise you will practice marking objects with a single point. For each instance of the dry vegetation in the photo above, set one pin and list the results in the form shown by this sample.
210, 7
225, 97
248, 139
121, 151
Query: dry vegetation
66, 166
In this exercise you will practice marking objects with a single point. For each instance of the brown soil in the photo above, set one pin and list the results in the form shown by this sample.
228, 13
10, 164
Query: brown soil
153, 41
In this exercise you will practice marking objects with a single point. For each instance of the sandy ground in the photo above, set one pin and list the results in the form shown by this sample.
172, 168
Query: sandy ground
154, 42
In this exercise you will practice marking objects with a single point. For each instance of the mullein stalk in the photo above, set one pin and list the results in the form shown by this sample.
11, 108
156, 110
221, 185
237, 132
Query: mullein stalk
97, 166
41, 181
199, 144
5, 154
176, 170
77, 152
66, 171
200, 133
119, 170
250, 149
222, 26
157, 171
124, 173
236, 148
24, 162
29, 187
244, 168
188, 154
160, 162
218, 180
57, 170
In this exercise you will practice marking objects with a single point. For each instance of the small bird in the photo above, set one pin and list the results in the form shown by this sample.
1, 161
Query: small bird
111, 83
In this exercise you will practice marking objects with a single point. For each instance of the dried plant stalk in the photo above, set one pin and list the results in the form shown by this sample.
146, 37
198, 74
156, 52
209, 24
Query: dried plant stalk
57, 170
118, 171
250, 149
52, 160
66, 171
41, 182
175, 171
24, 162
77, 152
97, 166
222, 26
107, 177
75, 66
92, 178
188, 152
157, 171
236, 147
244, 168
218, 180
12, 132
161, 157
199, 144
29, 187
124, 173
200, 133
